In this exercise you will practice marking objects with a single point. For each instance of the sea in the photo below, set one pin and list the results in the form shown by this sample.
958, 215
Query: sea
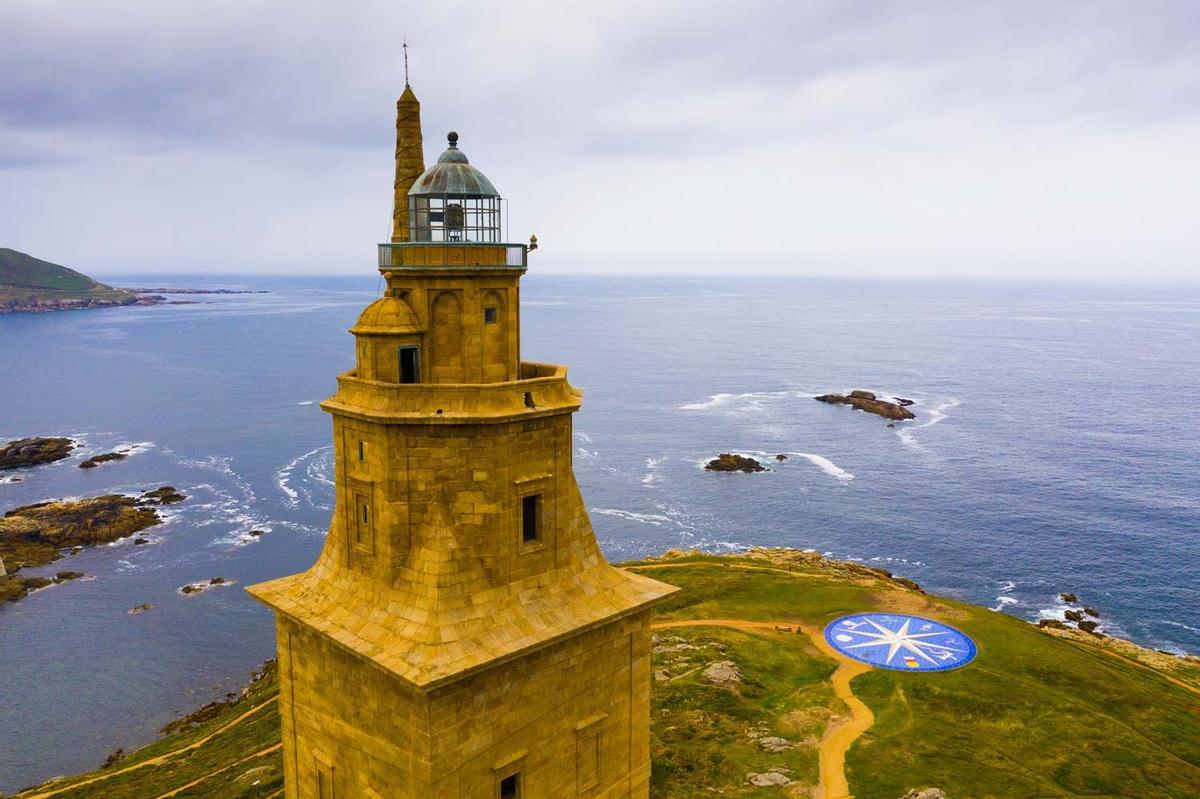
1056, 448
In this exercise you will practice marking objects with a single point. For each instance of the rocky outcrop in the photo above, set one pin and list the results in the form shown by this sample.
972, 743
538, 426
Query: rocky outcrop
35, 535
866, 401
203, 585
34, 451
767, 779
728, 462
96, 460
924, 793
723, 673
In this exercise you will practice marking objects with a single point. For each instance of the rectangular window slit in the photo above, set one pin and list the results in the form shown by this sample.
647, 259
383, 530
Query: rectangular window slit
489, 316
529, 518
510, 787
410, 365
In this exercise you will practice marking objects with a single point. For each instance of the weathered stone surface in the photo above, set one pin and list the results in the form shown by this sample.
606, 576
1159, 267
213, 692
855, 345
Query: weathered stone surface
1065, 597
723, 673
768, 779
34, 451
866, 401
1088, 626
773, 743
924, 793
1053, 624
1073, 615
1095, 614
729, 462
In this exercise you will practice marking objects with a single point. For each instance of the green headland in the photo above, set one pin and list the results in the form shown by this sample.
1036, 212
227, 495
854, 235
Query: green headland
31, 284
749, 701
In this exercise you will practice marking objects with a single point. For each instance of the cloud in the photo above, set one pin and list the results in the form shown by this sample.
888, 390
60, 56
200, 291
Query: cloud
926, 138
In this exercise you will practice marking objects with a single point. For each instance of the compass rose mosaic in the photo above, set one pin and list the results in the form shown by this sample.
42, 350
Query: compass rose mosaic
901, 642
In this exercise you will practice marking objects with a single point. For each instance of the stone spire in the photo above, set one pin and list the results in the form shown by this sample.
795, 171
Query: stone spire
410, 159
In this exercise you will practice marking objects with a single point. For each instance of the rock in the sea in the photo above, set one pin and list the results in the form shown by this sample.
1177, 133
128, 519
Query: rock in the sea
866, 401
1068, 597
1074, 615
64, 576
902, 401
139, 609
34, 451
1088, 626
96, 460
255, 533
166, 495
137, 542
1095, 614
728, 462
781, 457
723, 673
34, 535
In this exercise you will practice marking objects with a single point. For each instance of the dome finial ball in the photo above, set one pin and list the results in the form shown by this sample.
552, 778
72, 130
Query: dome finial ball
452, 137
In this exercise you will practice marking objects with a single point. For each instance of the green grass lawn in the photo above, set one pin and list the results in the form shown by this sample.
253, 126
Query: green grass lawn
1035, 715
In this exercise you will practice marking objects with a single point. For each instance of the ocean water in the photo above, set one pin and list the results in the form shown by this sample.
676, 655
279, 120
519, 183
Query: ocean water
1056, 448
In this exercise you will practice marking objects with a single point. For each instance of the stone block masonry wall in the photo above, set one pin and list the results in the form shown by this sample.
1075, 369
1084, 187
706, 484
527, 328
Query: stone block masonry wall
570, 719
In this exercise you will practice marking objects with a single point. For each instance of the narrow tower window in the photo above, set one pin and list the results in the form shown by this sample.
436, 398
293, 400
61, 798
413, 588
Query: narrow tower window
490, 315
510, 787
410, 365
362, 451
530, 523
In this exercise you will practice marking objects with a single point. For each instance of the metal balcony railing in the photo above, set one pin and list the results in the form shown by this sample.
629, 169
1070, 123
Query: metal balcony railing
421, 254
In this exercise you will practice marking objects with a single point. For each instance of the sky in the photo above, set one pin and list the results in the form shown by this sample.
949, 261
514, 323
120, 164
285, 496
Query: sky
919, 139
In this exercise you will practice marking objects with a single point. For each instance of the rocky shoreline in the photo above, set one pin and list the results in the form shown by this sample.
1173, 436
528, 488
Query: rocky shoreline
39, 534
43, 304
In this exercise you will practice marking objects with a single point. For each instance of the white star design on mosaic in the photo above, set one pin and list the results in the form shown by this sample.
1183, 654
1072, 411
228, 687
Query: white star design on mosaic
902, 639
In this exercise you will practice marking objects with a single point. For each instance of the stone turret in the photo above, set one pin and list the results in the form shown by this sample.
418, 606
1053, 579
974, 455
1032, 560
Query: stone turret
410, 159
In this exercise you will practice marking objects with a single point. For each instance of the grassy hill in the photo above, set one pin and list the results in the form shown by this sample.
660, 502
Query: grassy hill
1037, 714
28, 283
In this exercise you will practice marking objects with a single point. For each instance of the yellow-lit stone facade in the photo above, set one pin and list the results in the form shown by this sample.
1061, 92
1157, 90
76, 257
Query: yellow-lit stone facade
460, 636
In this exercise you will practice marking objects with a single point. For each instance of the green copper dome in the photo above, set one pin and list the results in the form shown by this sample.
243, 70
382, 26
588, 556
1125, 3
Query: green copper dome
453, 176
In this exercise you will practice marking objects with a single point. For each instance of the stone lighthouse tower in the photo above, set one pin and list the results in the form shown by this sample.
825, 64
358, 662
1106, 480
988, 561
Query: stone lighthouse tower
460, 636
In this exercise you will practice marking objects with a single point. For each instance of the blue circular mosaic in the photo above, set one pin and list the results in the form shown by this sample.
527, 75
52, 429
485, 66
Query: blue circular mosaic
901, 642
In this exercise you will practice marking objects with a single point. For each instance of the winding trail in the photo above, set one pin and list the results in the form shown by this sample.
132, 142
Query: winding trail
839, 735
157, 760
260, 753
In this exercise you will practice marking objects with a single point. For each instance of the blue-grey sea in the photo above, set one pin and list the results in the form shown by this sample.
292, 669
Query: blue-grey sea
1056, 448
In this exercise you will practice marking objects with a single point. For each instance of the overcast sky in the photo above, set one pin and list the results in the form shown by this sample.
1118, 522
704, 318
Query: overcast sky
978, 139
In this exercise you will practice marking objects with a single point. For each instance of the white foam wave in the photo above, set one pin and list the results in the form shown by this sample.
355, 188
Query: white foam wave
643, 518
824, 464
749, 402
1004, 601
1181, 624
652, 465
306, 402
315, 471
584, 437
936, 414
